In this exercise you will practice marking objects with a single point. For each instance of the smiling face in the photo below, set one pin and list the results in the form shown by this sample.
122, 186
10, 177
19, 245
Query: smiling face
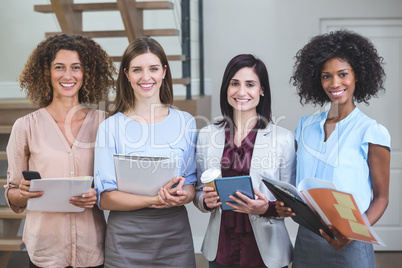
338, 80
146, 74
66, 74
244, 90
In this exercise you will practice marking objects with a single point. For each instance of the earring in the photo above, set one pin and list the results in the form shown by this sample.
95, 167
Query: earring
129, 81
262, 95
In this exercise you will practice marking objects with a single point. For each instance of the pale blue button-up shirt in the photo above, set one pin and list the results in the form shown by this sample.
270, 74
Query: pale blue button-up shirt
342, 159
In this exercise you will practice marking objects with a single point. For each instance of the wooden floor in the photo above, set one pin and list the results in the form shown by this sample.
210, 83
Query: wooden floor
389, 259
384, 260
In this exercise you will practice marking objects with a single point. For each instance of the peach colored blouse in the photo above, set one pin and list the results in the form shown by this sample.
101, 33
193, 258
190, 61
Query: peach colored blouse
57, 239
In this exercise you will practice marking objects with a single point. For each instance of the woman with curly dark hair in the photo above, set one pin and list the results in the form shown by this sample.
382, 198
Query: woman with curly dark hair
341, 145
63, 73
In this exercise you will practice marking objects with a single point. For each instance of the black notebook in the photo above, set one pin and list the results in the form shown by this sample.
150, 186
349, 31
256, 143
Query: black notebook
230, 185
305, 216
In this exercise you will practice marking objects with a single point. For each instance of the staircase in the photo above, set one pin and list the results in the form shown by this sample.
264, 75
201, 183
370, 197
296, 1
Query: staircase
70, 18
10, 222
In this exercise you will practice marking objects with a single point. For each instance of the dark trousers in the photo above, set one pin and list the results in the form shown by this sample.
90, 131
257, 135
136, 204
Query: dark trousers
31, 265
213, 264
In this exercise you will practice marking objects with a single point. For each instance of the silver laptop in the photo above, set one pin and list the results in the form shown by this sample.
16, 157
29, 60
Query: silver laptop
143, 175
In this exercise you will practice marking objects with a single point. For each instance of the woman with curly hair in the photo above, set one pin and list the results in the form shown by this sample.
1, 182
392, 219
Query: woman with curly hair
63, 73
341, 145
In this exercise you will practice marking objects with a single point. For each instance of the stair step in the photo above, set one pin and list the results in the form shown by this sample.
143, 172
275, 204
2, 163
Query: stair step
89, 7
3, 181
176, 57
198, 106
7, 213
106, 34
5, 129
162, 32
11, 109
16, 104
169, 58
181, 81
3, 155
11, 244
155, 5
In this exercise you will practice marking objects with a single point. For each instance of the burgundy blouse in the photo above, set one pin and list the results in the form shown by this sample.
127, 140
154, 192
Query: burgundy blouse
237, 245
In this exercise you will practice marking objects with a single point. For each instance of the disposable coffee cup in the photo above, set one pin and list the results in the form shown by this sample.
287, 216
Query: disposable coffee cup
209, 175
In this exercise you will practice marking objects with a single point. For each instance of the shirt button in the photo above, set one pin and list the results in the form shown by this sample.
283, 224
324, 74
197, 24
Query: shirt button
72, 172
253, 217
73, 245
71, 154
73, 226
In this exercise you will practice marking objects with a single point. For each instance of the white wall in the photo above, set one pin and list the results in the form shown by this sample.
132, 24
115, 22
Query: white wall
21, 30
273, 30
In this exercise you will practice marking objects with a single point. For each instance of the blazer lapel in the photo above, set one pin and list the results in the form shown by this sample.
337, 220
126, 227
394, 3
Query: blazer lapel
262, 146
264, 140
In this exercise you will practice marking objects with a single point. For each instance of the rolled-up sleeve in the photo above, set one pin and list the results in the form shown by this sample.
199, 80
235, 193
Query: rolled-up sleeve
104, 172
189, 155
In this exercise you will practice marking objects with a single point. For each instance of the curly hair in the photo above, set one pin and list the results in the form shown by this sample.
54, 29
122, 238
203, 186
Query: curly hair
98, 69
357, 50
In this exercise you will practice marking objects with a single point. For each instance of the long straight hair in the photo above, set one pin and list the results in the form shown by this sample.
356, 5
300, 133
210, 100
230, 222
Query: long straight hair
125, 99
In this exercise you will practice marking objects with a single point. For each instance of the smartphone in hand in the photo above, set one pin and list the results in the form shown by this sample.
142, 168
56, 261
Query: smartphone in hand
31, 175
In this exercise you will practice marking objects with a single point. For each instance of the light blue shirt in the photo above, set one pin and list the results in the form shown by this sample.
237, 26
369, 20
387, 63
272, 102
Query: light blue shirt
342, 159
174, 137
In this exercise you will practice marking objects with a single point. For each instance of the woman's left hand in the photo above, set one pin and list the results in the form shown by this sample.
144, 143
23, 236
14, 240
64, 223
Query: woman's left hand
182, 196
248, 205
87, 200
340, 242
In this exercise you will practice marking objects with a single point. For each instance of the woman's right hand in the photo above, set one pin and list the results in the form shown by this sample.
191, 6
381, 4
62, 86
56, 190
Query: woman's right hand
282, 210
211, 197
24, 190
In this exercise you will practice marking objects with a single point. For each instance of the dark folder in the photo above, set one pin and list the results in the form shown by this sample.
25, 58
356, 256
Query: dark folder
305, 216
230, 185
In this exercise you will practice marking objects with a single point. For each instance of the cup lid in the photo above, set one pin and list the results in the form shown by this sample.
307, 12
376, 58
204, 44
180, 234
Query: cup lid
210, 174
